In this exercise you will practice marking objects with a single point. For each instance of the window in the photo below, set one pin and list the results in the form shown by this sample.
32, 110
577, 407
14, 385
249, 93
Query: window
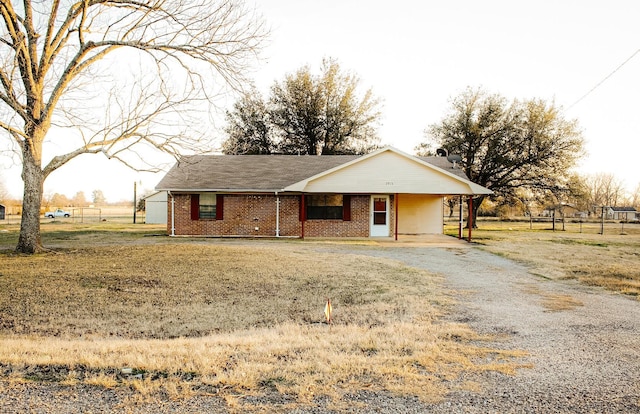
206, 206
325, 207
380, 211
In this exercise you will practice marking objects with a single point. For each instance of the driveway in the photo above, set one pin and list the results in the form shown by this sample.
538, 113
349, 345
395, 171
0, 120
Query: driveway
584, 342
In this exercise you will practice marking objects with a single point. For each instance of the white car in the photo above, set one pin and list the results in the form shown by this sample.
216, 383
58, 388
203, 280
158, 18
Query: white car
58, 213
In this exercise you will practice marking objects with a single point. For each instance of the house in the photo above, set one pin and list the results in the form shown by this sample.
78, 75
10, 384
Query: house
155, 208
2, 211
621, 213
380, 194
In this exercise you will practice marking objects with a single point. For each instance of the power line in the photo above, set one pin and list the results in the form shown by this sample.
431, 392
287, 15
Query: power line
604, 80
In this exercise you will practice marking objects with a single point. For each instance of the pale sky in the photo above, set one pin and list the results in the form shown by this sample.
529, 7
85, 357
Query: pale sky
417, 55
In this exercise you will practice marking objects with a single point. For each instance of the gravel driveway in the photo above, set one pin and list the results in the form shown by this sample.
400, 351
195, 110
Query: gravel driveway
586, 359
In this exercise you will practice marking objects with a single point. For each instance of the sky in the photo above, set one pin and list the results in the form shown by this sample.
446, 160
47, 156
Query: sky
417, 55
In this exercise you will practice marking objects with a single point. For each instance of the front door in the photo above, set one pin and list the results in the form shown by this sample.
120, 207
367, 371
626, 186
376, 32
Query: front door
379, 216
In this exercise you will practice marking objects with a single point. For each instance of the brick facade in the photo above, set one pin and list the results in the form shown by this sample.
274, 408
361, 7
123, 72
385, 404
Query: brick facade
255, 215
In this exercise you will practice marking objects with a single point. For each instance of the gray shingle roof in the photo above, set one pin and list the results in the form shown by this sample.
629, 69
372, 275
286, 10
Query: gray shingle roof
246, 172
443, 163
258, 172
624, 209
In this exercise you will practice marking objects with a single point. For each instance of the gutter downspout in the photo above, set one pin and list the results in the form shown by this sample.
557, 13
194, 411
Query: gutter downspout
173, 215
303, 212
277, 215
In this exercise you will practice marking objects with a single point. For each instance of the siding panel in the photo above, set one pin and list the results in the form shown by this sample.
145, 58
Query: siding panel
388, 173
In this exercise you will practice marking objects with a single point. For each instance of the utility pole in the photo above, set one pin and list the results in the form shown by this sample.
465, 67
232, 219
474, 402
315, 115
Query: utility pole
135, 207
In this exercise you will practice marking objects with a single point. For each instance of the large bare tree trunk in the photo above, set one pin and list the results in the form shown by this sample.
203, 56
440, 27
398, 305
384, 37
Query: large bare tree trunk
477, 202
30, 241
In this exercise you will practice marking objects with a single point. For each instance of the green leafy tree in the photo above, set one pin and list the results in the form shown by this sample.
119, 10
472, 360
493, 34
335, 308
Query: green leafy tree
506, 146
60, 65
307, 114
248, 127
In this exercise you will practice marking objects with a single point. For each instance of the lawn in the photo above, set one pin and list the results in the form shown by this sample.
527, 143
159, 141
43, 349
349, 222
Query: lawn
112, 306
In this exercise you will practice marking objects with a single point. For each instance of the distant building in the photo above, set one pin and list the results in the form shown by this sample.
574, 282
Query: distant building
2, 211
155, 207
622, 213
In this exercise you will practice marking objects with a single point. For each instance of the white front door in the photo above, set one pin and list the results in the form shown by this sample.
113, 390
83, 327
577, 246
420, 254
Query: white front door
379, 216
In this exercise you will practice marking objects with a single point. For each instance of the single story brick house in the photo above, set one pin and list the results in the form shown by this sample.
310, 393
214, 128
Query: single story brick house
381, 194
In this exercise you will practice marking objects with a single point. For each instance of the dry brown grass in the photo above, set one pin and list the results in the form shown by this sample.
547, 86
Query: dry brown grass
231, 319
190, 290
554, 302
611, 261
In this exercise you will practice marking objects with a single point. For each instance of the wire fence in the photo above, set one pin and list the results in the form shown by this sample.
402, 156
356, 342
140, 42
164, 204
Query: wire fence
572, 225
86, 215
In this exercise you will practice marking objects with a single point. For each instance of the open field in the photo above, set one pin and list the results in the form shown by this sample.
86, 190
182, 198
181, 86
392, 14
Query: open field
610, 260
110, 306
87, 215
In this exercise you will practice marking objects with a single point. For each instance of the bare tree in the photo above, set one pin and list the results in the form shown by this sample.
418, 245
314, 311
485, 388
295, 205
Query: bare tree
79, 200
603, 189
635, 197
4, 193
60, 200
98, 198
116, 77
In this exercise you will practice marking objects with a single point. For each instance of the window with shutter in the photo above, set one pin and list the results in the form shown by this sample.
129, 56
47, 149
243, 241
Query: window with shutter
204, 206
324, 207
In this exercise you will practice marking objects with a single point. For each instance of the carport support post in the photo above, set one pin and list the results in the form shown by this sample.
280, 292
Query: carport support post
395, 199
470, 217
460, 220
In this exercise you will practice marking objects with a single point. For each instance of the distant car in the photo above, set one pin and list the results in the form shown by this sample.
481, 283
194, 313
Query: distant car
58, 213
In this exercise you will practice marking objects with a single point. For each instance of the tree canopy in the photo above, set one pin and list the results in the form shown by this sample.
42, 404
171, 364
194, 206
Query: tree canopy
306, 114
506, 146
114, 77
248, 127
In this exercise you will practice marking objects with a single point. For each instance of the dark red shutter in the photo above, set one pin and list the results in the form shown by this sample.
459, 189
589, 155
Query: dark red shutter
195, 206
219, 206
302, 214
346, 208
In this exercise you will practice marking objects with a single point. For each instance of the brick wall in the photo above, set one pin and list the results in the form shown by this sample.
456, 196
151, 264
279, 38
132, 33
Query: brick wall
255, 215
